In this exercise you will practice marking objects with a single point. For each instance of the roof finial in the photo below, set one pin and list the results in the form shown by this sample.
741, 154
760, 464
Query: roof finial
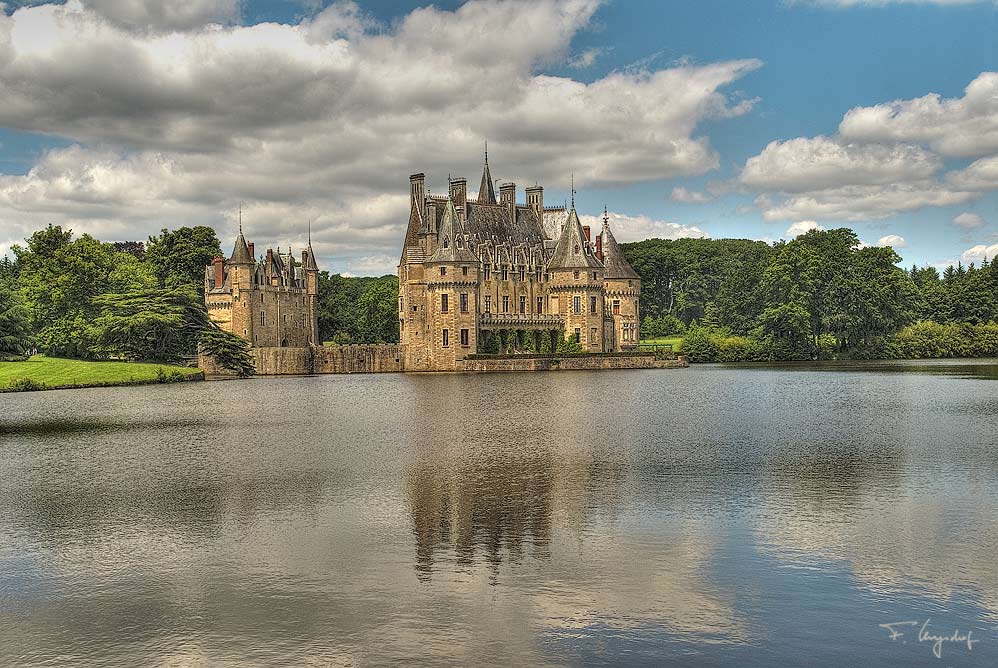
486, 151
573, 190
606, 217
309, 232
240, 218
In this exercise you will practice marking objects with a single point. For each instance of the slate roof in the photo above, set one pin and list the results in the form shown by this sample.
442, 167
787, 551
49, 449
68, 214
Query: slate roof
452, 246
493, 222
613, 258
487, 191
240, 252
573, 250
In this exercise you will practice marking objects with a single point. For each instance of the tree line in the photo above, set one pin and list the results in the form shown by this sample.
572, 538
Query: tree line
822, 295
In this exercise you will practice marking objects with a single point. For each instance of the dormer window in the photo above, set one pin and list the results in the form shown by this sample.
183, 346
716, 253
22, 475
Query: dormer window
446, 242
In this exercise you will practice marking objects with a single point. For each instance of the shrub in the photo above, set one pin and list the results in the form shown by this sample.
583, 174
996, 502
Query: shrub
25, 385
700, 345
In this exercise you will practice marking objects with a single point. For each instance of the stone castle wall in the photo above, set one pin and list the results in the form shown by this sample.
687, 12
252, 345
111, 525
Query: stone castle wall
590, 363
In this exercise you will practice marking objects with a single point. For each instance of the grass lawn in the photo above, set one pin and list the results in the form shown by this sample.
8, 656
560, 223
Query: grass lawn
675, 341
54, 372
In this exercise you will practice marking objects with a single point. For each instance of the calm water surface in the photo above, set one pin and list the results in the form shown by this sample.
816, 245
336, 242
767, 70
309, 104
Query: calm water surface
752, 516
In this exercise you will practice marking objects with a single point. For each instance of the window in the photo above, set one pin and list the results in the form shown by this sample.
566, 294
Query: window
616, 307
578, 335
443, 303
576, 274
540, 305
576, 304
464, 338
592, 335
505, 274
443, 271
523, 304
594, 275
263, 318
464, 271
538, 276
464, 302
592, 305
488, 271
505, 303
488, 303
523, 274
446, 337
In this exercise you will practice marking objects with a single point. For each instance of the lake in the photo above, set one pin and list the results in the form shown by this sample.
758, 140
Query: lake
720, 515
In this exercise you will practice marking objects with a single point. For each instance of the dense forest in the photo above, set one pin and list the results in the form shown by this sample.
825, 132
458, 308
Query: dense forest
78, 297
822, 295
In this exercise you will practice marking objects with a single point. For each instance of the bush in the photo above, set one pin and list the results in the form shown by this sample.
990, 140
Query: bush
701, 345
168, 375
665, 325
25, 385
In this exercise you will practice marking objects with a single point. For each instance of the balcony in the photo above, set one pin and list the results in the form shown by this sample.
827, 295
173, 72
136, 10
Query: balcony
520, 321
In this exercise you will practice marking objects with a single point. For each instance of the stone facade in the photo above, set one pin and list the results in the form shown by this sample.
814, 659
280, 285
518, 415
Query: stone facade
270, 302
471, 268
584, 363
354, 358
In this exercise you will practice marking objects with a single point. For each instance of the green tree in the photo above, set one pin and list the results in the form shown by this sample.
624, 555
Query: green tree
178, 258
15, 328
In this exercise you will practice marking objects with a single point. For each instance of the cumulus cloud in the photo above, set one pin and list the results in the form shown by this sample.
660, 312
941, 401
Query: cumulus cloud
802, 227
807, 164
979, 175
635, 228
968, 221
979, 253
326, 116
957, 127
687, 196
857, 203
892, 240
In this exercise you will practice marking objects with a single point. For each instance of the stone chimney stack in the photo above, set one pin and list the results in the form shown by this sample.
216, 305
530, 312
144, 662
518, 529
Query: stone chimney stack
459, 193
507, 197
585, 228
535, 200
219, 263
252, 250
599, 247
417, 191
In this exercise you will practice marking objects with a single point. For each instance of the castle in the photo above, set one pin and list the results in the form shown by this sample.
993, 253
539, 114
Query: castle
270, 302
485, 274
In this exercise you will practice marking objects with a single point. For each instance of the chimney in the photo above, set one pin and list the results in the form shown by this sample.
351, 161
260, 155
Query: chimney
417, 190
507, 197
270, 256
585, 228
219, 271
535, 200
599, 247
252, 250
459, 193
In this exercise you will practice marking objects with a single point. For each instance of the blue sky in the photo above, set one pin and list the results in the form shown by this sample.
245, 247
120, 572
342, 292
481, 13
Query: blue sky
689, 95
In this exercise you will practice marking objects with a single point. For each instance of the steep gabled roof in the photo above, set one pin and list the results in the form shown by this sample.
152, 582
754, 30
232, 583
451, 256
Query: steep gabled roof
573, 250
487, 190
451, 244
616, 264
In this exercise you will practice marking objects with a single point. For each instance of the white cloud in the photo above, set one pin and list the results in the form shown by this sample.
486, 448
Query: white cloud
586, 58
326, 116
687, 196
892, 240
163, 15
979, 253
956, 127
373, 265
979, 175
857, 203
968, 221
808, 164
801, 227
635, 228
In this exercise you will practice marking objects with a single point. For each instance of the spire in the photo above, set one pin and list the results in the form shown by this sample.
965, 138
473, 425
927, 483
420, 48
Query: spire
606, 218
573, 190
240, 251
308, 257
573, 250
486, 191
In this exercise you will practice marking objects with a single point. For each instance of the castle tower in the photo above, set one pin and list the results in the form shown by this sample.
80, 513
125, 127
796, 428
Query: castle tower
451, 294
311, 291
240, 266
413, 320
576, 286
486, 191
623, 292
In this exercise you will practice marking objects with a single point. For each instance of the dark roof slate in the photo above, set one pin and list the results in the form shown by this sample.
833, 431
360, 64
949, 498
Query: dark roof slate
616, 264
573, 250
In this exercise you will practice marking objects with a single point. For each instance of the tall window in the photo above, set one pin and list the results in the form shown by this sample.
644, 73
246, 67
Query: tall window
464, 302
464, 338
488, 303
446, 334
443, 303
576, 274
523, 274
538, 277
505, 274
443, 271
616, 307
540, 305
464, 271
592, 335
523, 304
576, 304
578, 335
488, 272
263, 318
592, 305
505, 303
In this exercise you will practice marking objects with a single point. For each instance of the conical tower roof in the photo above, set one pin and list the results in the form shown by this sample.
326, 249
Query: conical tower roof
487, 190
240, 252
616, 264
309, 260
573, 250
451, 244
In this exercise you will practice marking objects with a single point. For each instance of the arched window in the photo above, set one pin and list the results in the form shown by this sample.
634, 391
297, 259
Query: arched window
446, 242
